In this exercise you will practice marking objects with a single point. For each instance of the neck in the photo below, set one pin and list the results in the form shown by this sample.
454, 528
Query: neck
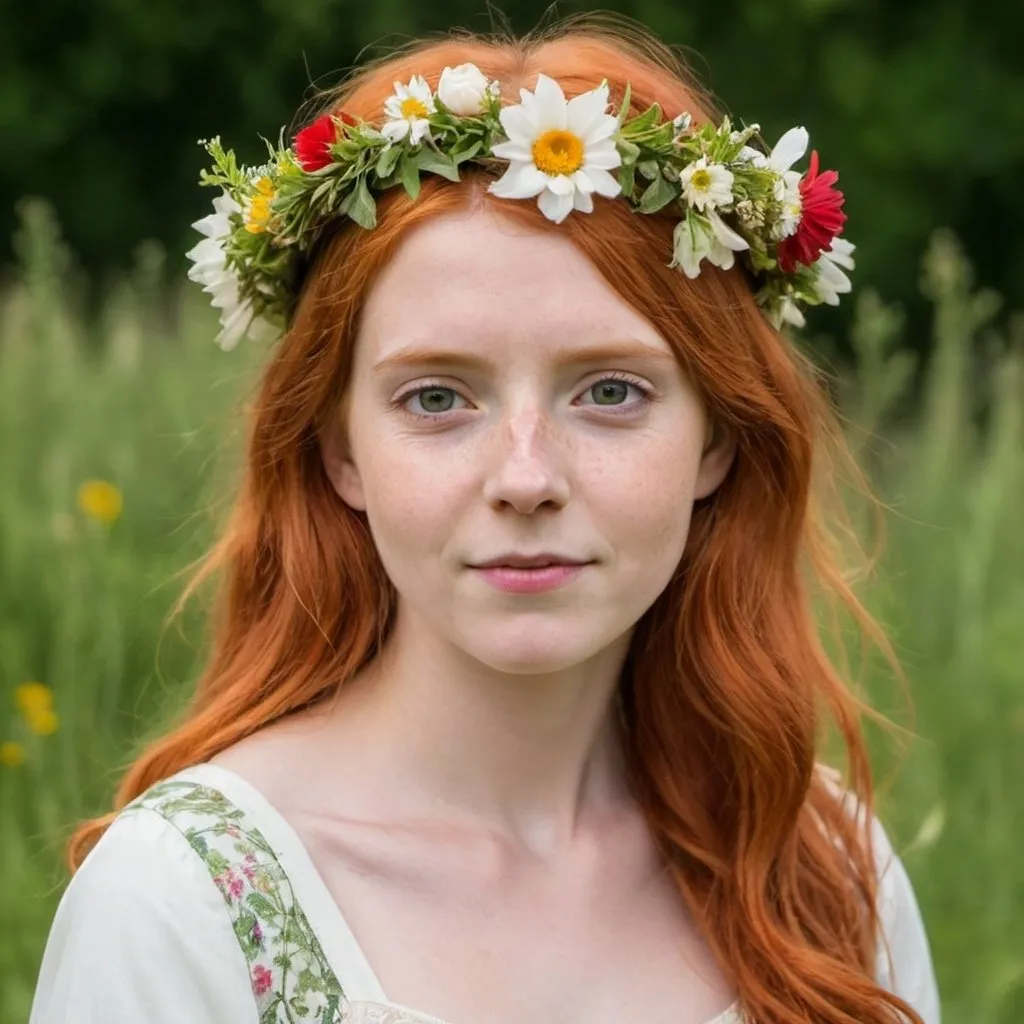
531, 757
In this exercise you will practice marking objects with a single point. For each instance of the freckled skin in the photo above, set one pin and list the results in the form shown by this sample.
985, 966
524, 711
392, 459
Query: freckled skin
526, 459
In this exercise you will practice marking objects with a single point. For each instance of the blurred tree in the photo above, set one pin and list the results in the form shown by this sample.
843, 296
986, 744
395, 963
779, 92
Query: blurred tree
919, 105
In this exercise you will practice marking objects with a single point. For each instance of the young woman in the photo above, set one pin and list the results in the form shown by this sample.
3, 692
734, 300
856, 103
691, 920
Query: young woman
515, 702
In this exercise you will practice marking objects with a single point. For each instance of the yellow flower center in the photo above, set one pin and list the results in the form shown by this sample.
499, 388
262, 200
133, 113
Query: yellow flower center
259, 207
557, 152
413, 107
701, 180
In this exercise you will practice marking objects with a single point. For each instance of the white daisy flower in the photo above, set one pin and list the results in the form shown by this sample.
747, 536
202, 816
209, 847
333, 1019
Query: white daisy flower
210, 269
706, 186
831, 281
559, 151
697, 238
408, 110
790, 148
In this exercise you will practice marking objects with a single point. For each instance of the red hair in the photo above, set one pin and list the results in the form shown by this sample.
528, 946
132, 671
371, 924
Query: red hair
726, 690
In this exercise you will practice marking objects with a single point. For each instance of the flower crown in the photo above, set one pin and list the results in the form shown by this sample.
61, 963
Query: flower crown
729, 196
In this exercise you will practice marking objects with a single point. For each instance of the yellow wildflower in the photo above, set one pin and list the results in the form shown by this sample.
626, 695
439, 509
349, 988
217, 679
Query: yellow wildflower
12, 754
33, 698
35, 702
100, 500
43, 723
259, 206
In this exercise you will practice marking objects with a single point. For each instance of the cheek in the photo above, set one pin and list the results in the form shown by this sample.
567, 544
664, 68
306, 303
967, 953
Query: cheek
411, 497
652, 498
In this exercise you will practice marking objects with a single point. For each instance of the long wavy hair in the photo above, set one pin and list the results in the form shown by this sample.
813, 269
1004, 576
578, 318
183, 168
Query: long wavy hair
727, 694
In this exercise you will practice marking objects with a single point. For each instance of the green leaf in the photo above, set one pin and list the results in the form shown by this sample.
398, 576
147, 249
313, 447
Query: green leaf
460, 155
649, 169
643, 121
387, 160
658, 195
436, 163
627, 179
629, 151
627, 98
363, 208
410, 175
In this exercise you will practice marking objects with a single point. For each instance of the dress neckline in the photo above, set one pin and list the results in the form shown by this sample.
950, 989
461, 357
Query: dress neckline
339, 943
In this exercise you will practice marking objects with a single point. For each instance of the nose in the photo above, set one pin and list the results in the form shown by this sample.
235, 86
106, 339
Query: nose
530, 463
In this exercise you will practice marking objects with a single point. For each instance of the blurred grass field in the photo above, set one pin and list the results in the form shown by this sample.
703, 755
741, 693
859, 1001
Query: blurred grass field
118, 448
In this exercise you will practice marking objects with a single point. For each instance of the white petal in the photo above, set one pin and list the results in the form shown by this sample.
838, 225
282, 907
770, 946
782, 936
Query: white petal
603, 155
517, 151
721, 256
395, 131
841, 252
213, 225
556, 207
520, 181
604, 183
791, 313
224, 204
789, 149
581, 181
207, 253
603, 130
691, 242
549, 105
420, 127
518, 124
831, 281
419, 89
561, 185
583, 201
586, 111
725, 234
393, 107
235, 326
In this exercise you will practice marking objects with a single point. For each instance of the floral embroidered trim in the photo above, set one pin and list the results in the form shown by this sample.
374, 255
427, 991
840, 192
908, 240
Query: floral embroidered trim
291, 978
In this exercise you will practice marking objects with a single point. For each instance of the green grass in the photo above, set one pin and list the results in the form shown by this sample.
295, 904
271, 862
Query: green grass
146, 401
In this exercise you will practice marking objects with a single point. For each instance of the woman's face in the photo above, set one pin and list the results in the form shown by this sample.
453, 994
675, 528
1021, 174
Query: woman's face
497, 405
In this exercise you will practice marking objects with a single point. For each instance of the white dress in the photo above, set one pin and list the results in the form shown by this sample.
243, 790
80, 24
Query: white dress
200, 904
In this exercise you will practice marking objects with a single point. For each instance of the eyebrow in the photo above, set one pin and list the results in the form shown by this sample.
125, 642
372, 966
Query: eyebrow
410, 357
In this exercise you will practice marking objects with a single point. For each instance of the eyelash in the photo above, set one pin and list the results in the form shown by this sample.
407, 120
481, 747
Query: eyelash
625, 378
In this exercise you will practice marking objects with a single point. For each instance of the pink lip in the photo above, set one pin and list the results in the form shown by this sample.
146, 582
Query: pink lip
530, 581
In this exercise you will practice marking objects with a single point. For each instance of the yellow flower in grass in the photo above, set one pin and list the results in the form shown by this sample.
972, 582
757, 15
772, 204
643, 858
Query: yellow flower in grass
12, 754
100, 500
257, 214
35, 702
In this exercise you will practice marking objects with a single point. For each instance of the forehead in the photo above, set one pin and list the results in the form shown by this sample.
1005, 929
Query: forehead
472, 280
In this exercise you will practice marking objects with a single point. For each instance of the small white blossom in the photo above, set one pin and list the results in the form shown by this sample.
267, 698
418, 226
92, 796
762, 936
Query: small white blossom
561, 152
408, 111
706, 186
697, 238
785, 311
210, 269
464, 90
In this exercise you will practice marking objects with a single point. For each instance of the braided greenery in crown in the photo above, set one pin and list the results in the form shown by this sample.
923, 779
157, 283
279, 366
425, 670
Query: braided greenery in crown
730, 197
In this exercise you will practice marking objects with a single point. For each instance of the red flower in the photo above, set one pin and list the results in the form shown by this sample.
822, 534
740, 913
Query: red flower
821, 218
262, 979
312, 142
